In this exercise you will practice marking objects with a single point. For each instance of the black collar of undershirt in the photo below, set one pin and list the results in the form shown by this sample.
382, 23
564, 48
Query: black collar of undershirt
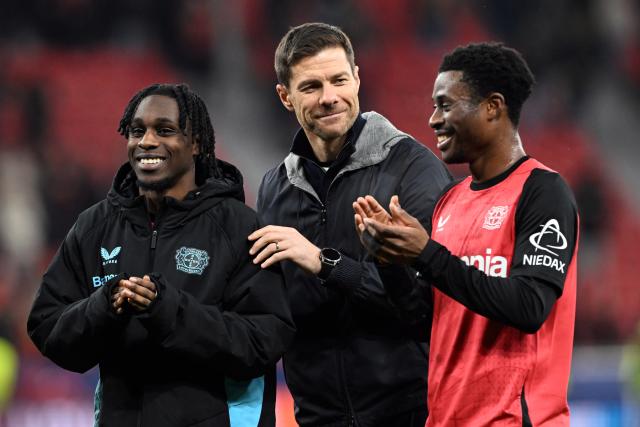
475, 186
302, 147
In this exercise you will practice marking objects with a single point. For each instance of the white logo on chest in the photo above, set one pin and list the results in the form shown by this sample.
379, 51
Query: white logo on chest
442, 221
495, 217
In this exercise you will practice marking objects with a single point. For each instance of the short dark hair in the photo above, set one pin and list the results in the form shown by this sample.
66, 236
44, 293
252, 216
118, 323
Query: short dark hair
493, 67
190, 106
307, 40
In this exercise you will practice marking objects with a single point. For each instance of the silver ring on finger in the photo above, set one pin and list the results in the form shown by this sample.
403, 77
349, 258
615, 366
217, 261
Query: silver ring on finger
277, 247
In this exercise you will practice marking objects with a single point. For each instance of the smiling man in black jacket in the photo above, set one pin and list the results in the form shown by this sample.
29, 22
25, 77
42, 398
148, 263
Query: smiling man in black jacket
353, 361
155, 284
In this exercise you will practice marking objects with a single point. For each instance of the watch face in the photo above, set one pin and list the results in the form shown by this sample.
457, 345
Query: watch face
330, 255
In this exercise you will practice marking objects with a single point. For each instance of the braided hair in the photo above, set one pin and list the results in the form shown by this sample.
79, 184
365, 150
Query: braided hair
190, 106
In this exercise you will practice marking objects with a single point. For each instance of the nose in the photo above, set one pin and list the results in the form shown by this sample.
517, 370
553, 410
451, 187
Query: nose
329, 95
148, 141
436, 120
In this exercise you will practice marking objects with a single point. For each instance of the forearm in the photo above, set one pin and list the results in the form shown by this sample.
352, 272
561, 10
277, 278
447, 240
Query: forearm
73, 335
240, 340
523, 302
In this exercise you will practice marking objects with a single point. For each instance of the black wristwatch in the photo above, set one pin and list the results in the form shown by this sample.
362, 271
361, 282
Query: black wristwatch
329, 258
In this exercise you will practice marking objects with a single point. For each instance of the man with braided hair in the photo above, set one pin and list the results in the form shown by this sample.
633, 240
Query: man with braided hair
155, 285
499, 260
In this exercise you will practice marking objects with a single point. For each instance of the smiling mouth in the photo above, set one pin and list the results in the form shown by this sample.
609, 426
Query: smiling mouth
149, 163
151, 160
328, 116
443, 141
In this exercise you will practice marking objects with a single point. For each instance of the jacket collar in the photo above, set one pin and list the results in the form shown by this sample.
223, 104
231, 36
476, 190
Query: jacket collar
372, 143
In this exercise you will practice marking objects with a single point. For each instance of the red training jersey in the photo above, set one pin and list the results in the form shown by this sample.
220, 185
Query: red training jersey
502, 261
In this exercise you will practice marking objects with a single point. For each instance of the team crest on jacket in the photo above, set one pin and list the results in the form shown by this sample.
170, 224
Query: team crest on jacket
495, 217
191, 260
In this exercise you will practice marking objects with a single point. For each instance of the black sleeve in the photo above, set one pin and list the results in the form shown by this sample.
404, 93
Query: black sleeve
67, 324
546, 234
243, 337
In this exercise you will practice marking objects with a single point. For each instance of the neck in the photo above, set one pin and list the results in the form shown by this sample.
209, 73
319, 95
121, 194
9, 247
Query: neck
153, 201
326, 150
498, 158
154, 198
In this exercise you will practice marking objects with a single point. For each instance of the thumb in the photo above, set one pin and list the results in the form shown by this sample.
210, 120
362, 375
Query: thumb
397, 213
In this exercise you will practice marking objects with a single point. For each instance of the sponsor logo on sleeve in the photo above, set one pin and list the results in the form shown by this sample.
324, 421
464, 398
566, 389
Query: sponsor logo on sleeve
549, 240
191, 260
495, 217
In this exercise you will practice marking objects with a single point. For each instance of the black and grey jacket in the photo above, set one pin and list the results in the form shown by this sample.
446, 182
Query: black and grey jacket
218, 319
353, 360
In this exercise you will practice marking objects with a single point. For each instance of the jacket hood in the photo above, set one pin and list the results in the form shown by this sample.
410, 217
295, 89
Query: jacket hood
211, 190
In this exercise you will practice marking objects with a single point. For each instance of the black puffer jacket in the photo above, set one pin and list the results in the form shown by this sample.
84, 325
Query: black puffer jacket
218, 319
353, 361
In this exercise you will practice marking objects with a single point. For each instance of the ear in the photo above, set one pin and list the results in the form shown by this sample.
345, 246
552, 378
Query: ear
195, 145
356, 77
496, 107
283, 94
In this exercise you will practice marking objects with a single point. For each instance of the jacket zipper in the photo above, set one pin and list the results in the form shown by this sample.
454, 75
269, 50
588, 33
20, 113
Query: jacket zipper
152, 254
352, 421
343, 382
154, 242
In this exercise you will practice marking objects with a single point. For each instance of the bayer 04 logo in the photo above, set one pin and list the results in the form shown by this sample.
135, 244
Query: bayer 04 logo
191, 260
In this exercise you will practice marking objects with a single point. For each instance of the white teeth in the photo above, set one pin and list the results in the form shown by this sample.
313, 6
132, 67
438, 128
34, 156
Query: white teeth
154, 161
442, 138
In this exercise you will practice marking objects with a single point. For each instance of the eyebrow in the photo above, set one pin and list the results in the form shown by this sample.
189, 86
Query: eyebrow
315, 80
160, 120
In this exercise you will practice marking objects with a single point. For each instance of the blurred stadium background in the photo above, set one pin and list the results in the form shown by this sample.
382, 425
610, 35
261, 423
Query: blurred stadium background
68, 68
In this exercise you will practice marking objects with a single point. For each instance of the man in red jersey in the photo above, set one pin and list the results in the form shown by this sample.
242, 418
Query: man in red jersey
500, 258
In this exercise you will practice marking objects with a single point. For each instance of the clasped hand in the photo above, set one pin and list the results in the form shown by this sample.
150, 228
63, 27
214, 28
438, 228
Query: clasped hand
392, 237
138, 292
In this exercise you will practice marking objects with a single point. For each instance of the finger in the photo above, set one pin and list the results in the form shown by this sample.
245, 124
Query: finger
381, 231
357, 218
263, 242
373, 204
119, 301
394, 205
137, 288
274, 259
264, 230
145, 282
358, 207
268, 251
370, 243
258, 233
136, 305
137, 300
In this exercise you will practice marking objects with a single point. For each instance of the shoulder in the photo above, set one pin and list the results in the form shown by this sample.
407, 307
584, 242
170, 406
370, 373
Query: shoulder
547, 186
93, 217
275, 174
415, 156
234, 220
410, 146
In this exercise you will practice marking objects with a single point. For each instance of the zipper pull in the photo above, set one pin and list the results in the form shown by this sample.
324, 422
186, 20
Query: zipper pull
154, 239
